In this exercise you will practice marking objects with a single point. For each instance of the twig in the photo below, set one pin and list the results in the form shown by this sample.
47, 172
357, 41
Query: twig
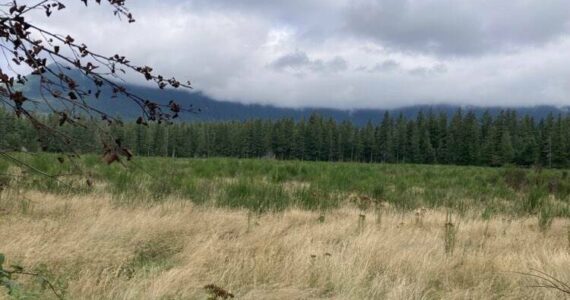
551, 281
40, 172
50, 285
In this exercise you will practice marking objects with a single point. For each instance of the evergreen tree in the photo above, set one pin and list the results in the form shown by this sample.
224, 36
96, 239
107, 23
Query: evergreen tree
413, 146
528, 152
490, 140
442, 152
314, 138
385, 140
401, 139
507, 150
368, 142
426, 148
456, 139
470, 150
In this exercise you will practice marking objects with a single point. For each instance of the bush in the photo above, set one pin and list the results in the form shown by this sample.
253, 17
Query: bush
545, 217
515, 178
378, 192
534, 200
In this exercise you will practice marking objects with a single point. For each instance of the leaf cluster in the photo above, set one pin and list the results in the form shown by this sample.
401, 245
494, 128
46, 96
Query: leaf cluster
32, 50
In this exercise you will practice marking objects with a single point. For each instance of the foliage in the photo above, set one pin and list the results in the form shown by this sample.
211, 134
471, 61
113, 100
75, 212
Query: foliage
465, 140
68, 73
449, 234
262, 185
545, 217
515, 178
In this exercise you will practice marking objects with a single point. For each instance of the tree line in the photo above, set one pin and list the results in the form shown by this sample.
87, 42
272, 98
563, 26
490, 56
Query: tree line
462, 138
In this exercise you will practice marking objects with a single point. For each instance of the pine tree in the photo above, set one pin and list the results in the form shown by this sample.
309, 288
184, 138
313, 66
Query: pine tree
558, 152
487, 152
314, 138
331, 140
528, 152
159, 140
442, 152
413, 146
299, 141
503, 139
507, 150
546, 141
385, 140
367, 136
401, 139
470, 150
346, 141
426, 148
456, 139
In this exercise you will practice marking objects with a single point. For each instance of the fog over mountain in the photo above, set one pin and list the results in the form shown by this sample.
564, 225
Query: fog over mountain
209, 109
345, 54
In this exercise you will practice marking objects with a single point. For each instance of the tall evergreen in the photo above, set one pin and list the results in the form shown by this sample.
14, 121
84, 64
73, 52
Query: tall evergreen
464, 138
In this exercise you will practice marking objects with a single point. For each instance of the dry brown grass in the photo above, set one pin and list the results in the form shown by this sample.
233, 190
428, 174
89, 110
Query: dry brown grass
173, 250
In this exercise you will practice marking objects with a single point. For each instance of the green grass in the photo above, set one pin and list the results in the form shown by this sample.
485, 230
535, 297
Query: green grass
262, 185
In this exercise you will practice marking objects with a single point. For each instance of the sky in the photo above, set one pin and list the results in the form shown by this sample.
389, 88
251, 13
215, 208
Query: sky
348, 54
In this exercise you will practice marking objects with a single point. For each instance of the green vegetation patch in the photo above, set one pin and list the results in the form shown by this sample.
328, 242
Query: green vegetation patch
269, 185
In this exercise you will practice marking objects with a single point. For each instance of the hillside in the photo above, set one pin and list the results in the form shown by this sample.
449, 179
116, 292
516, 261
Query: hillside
217, 110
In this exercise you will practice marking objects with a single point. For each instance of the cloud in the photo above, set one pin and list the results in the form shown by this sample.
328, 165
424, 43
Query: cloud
387, 65
341, 53
393, 67
428, 71
299, 61
295, 60
458, 27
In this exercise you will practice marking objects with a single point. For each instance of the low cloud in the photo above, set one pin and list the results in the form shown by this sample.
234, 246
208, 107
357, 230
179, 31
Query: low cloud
428, 71
458, 27
296, 60
341, 53
386, 66
299, 61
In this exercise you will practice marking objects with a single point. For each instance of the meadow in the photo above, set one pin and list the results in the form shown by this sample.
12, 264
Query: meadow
160, 228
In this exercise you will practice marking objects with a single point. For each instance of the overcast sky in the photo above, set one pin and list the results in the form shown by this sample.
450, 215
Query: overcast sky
345, 53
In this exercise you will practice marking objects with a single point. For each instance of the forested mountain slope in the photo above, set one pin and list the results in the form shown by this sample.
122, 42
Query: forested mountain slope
208, 109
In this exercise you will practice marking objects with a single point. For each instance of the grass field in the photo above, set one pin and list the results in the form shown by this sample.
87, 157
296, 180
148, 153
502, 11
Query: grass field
262, 229
268, 185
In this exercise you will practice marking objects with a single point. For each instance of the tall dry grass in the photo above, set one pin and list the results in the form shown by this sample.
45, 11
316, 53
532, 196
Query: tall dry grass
172, 250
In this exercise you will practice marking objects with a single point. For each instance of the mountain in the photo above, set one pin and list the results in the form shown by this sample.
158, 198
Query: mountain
215, 110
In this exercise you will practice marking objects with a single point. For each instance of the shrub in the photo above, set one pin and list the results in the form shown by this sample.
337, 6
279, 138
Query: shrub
378, 191
534, 200
449, 234
545, 217
515, 178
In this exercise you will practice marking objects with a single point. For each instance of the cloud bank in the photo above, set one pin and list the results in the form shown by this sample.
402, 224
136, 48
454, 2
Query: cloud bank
345, 54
